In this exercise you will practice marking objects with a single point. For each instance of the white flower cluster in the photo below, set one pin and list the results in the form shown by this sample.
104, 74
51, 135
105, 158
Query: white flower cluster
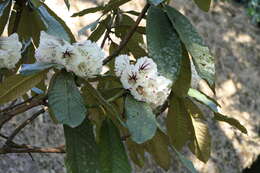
142, 80
85, 58
10, 51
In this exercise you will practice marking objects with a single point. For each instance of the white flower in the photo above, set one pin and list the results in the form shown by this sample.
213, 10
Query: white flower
142, 80
53, 49
121, 63
10, 51
87, 61
129, 77
146, 66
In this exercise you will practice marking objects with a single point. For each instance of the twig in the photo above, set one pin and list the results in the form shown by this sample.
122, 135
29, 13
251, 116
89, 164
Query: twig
32, 149
8, 114
107, 32
128, 35
20, 127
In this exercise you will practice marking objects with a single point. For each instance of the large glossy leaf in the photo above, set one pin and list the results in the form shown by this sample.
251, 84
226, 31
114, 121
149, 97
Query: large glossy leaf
17, 85
29, 69
203, 4
141, 121
158, 148
183, 82
201, 139
113, 158
164, 46
81, 149
178, 123
65, 100
203, 60
5, 7
55, 25
232, 121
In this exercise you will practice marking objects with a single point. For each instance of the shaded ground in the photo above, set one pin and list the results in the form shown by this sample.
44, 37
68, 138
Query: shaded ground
236, 46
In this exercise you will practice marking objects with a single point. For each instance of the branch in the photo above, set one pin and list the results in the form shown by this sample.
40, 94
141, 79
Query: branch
128, 35
8, 114
25, 123
33, 149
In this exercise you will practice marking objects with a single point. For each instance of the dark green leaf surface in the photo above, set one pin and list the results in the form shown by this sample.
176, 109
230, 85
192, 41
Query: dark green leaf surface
201, 140
17, 85
113, 158
178, 123
100, 30
81, 149
5, 7
232, 121
203, 4
203, 60
65, 100
164, 46
182, 85
141, 121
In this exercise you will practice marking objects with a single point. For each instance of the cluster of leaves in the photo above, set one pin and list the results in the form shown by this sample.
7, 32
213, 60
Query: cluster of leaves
99, 122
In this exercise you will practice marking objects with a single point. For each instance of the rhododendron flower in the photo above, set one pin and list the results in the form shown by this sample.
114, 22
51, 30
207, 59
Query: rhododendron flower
10, 51
85, 59
143, 80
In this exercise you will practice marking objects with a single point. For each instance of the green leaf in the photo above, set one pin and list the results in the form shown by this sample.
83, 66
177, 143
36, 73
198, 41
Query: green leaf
201, 141
156, 2
91, 26
203, 4
182, 85
29, 69
187, 163
232, 121
26, 29
100, 30
203, 60
114, 4
134, 44
87, 11
55, 25
81, 149
5, 7
17, 85
65, 100
164, 46
113, 158
141, 121
109, 107
158, 148
178, 123
136, 152
204, 99
67, 2
214, 106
